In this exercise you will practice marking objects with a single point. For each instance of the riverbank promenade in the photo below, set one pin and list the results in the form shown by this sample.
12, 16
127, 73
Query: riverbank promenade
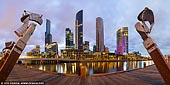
141, 76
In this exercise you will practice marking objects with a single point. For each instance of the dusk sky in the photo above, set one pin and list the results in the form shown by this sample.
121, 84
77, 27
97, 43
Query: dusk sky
61, 13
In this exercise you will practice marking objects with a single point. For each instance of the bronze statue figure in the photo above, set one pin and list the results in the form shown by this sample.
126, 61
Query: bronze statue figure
13, 50
150, 45
147, 15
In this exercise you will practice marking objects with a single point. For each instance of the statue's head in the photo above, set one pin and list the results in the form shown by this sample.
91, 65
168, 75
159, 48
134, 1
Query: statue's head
146, 8
146, 15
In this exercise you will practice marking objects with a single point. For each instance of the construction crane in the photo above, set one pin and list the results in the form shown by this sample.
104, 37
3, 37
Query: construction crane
13, 50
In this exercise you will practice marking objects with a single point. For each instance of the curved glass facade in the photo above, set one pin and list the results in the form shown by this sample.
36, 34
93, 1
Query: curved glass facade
79, 30
122, 41
69, 39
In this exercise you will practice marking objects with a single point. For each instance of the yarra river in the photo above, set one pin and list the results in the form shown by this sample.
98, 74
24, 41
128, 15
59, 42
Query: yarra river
92, 67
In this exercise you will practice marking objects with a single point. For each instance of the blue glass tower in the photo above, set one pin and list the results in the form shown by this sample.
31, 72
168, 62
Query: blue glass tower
79, 30
69, 39
48, 36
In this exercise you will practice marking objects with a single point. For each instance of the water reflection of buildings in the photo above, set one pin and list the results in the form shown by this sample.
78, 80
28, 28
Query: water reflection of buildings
93, 67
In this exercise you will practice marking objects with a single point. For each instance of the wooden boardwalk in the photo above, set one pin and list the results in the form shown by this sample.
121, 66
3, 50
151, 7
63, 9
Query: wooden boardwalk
145, 76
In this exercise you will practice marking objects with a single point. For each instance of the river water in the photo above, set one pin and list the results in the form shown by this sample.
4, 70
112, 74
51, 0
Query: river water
92, 67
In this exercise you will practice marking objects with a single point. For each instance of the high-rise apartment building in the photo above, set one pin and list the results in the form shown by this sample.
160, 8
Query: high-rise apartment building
52, 50
79, 30
34, 52
86, 45
99, 35
94, 48
122, 41
69, 39
48, 36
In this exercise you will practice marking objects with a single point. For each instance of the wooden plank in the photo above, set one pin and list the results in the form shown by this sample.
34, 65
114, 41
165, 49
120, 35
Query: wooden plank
97, 81
75, 81
134, 80
50, 78
115, 79
70, 78
103, 82
146, 79
106, 80
23, 76
54, 82
136, 77
90, 81
82, 82
63, 81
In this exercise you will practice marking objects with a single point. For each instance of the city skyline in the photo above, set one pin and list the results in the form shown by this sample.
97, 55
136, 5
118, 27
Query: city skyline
115, 14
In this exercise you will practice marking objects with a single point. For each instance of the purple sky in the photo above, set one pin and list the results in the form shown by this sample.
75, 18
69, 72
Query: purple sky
62, 13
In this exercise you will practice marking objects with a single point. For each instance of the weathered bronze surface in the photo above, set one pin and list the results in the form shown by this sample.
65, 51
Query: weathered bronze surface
151, 46
12, 53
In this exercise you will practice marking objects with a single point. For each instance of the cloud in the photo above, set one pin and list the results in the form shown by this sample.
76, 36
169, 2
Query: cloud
115, 14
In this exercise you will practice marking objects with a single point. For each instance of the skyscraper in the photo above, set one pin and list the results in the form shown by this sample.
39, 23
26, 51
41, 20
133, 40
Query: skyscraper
69, 39
86, 45
54, 47
122, 41
34, 52
94, 48
99, 35
79, 30
52, 50
48, 36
